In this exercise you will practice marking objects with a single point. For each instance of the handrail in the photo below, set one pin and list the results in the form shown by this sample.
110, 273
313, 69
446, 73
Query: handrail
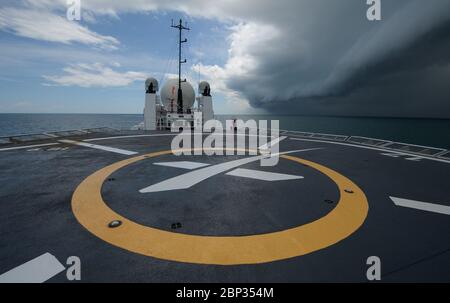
419, 150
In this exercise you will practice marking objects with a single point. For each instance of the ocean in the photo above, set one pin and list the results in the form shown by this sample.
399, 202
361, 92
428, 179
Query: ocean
429, 132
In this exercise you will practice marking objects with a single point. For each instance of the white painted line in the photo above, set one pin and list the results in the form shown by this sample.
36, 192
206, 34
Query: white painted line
390, 155
190, 179
272, 143
50, 135
101, 147
37, 270
160, 135
435, 208
414, 159
261, 175
371, 148
27, 147
418, 158
182, 164
126, 137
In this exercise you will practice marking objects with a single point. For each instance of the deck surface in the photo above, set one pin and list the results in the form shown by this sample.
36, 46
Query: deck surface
36, 215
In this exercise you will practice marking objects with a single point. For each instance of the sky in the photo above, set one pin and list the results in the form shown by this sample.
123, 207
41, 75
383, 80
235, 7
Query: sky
313, 57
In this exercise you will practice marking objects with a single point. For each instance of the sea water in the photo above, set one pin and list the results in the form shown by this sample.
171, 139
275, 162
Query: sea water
429, 132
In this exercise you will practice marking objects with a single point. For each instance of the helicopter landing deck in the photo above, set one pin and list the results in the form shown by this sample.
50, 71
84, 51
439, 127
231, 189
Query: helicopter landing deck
132, 211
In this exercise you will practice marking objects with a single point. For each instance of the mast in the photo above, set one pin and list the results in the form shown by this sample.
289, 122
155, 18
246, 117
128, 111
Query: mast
180, 28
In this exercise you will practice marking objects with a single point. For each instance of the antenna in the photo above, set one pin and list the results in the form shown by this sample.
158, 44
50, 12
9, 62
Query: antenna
180, 28
199, 67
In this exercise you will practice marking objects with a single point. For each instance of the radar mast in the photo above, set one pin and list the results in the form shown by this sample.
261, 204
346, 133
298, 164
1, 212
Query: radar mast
180, 28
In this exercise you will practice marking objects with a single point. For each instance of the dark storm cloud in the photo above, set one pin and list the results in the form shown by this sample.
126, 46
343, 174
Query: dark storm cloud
414, 82
327, 58
323, 56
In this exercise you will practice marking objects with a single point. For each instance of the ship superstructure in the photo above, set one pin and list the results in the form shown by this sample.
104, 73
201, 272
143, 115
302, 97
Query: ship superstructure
173, 107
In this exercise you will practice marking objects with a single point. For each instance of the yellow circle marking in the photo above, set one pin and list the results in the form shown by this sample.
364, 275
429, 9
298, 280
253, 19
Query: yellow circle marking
92, 212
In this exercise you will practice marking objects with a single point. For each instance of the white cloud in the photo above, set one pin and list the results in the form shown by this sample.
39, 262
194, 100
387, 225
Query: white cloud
217, 76
94, 75
44, 25
244, 37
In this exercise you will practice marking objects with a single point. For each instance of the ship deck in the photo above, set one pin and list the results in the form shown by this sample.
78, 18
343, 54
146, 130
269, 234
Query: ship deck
337, 202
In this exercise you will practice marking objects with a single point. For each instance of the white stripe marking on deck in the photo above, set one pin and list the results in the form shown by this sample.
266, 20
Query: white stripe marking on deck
272, 143
128, 137
160, 135
262, 175
390, 155
182, 164
27, 147
414, 159
190, 179
38, 270
435, 208
101, 147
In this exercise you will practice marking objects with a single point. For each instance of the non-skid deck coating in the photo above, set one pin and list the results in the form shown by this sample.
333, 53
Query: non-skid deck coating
36, 216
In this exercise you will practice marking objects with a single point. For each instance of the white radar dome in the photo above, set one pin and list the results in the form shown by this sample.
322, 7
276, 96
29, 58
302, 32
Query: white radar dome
169, 94
151, 81
202, 86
